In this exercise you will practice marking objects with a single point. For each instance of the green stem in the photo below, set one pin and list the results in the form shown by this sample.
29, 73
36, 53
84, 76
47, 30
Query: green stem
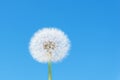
49, 71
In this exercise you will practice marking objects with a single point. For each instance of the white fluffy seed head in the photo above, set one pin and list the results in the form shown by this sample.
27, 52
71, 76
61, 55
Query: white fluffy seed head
49, 44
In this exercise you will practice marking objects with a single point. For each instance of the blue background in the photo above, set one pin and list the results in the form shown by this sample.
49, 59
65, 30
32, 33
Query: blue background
93, 27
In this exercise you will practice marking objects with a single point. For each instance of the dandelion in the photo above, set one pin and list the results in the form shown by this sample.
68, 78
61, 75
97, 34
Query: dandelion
49, 45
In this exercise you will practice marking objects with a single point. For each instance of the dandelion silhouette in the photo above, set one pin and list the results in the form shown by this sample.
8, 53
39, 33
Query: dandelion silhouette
49, 45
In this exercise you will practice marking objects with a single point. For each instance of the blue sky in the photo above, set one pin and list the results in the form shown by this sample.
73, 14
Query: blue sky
93, 27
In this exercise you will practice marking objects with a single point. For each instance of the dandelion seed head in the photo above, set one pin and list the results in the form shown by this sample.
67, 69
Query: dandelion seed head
49, 44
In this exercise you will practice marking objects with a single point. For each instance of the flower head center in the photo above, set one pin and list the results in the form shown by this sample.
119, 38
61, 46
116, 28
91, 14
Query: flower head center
49, 45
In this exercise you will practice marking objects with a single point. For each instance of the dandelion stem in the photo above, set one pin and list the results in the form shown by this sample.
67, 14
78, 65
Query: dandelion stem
49, 70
